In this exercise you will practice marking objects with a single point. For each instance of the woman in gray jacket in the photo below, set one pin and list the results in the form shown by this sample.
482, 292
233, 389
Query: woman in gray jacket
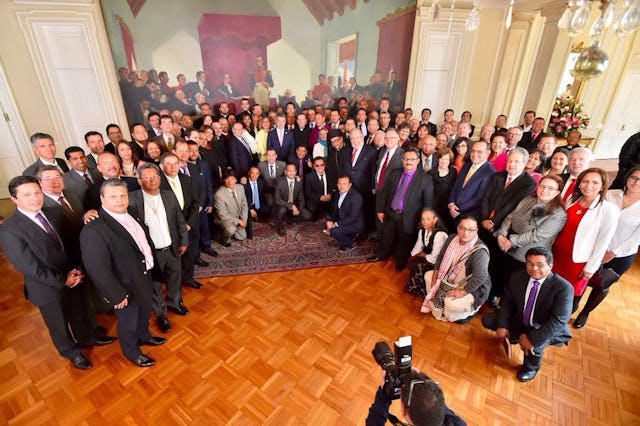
535, 222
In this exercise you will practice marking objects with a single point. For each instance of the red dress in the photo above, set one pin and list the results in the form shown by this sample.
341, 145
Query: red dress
563, 264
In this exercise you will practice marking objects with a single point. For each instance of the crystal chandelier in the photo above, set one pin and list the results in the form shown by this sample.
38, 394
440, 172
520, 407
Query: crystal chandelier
623, 16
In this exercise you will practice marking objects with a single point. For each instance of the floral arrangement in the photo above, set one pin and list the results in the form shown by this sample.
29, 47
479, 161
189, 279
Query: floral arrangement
567, 115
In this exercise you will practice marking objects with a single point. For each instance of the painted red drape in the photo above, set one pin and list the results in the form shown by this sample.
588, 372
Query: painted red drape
394, 45
129, 48
231, 43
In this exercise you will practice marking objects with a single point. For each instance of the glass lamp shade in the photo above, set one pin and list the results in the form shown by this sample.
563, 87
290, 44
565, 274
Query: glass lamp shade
591, 63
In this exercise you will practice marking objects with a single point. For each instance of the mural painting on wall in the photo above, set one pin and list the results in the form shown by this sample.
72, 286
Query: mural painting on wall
177, 55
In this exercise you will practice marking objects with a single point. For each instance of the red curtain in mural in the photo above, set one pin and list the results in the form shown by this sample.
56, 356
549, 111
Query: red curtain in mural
129, 48
231, 43
394, 44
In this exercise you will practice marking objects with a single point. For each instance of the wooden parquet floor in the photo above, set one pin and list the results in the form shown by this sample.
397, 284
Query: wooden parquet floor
295, 348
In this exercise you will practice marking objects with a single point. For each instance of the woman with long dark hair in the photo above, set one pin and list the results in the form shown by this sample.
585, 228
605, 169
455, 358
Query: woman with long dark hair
462, 150
624, 244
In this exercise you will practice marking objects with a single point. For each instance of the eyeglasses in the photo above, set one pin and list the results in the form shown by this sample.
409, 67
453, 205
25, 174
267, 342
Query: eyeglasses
539, 265
409, 159
417, 382
469, 230
634, 179
51, 178
150, 177
548, 187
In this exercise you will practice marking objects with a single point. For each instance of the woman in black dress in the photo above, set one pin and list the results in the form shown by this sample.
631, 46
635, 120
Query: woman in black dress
443, 177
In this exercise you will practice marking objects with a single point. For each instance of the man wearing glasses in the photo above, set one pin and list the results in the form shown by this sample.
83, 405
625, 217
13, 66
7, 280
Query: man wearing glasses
534, 312
422, 404
398, 206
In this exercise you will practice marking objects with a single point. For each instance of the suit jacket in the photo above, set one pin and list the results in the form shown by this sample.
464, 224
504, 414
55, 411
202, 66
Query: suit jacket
31, 170
248, 192
337, 164
239, 156
190, 89
74, 218
229, 209
433, 129
138, 150
502, 201
551, 312
92, 195
114, 261
419, 195
72, 180
363, 171
349, 215
469, 198
287, 150
394, 163
108, 147
163, 145
204, 182
263, 166
223, 91
432, 161
175, 219
191, 198
281, 194
38, 256
301, 136
313, 189
215, 165
527, 142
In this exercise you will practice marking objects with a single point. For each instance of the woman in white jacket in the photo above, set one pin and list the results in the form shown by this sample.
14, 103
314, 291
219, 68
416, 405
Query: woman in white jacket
624, 244
591, 221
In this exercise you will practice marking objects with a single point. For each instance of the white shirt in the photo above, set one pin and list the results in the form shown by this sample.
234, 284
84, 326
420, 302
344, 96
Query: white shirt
390, 152
423, 239
155, 217
626, 239
341, 199
137, 233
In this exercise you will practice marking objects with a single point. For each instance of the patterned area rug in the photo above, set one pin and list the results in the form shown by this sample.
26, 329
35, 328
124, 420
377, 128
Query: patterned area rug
304, 246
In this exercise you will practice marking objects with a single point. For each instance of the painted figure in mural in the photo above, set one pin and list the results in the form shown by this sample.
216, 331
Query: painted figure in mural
261, 81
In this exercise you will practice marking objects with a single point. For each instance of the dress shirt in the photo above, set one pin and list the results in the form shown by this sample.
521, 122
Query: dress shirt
155, 217
291, 183
397, 203
354, 155
176, 187
390, 152
341, 198
32, 217
256, 194
323, 178
526, 297
137, 233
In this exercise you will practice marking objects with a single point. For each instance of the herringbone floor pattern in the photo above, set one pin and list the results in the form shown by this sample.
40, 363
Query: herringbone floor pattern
295, 348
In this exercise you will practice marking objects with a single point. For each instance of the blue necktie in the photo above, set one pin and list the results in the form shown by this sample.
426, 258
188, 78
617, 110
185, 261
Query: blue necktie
256, 196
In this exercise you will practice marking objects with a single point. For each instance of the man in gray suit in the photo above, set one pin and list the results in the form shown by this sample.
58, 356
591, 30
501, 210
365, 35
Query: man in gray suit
45, 148
231, 209
270, 170
289, 199
160, 212
80, 177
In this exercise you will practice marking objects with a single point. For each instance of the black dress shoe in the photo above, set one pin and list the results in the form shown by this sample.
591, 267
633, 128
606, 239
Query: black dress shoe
400, 266
192, 284
211, 252
144, 361
580, 321
464, 320
373, 259
154, 341
180, 310
100, 330
104, 340
527, 375
81, 362
225, 243
163, 324
201, 262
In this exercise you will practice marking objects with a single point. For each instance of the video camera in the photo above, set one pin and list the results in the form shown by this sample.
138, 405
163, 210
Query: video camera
397, 364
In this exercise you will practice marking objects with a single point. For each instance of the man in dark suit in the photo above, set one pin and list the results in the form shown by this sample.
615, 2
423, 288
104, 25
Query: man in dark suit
257, 203
96, 146
226, 89
79, 177
302, 132
281, 140
109, 168
240, 157
503, 193
468, 190
38, 242
167, 139
428, 156
361, 169
56, 195
289, 199
389, 159
45, 148
189, 203
139, 138
346, 215
270, 170
399, 205
198, 86
302, 161
317, 193
425, 115
531, 138
338, 157
118, 255
534, 312
159, 211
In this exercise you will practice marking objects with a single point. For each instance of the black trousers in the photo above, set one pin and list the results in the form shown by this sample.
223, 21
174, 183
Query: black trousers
394, 236
169, 264
133, 327
189, 257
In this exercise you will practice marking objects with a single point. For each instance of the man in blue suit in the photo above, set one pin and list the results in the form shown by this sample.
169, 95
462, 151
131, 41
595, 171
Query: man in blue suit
346, 215
468, 190
282, 140
239, 151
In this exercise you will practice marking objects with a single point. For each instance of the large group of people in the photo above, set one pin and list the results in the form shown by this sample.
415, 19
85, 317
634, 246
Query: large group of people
507, 218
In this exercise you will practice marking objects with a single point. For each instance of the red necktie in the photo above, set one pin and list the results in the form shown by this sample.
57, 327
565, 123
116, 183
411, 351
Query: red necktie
509, 179
353, 156
382, 170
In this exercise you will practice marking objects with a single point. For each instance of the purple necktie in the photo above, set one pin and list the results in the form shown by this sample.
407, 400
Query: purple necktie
185, 170
87, 179
397, 203
48, 228
529, 307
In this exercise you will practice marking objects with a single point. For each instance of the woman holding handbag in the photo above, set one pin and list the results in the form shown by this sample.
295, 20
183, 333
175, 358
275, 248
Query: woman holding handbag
623, 247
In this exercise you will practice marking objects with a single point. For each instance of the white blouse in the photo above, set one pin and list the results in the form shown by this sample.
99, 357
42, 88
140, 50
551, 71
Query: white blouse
423, 239
626, 239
